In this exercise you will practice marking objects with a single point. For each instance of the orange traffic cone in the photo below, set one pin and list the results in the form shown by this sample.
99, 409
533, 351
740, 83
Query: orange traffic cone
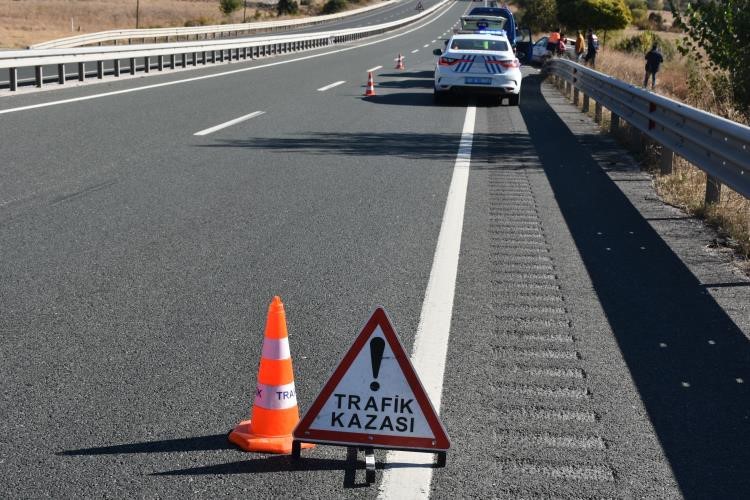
400, 62
275, 412
370, 85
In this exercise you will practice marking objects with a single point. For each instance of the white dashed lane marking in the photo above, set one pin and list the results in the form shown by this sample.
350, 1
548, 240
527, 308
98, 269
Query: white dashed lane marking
331, 85
229, 123
415, 51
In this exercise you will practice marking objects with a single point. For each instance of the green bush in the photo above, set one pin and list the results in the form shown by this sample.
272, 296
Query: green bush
641, 43
656, 21
333, 6
287, 7
640, 18
200, 21
229, 6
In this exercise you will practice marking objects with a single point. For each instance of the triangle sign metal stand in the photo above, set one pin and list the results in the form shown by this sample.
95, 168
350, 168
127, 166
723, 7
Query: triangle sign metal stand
374, 399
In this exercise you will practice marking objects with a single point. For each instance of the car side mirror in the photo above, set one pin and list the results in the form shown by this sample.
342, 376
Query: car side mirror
437, 52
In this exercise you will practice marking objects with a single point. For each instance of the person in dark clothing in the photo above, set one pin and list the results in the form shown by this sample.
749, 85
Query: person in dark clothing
592, 47
653, 61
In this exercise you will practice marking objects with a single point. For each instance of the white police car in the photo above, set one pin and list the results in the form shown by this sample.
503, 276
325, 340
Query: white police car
477, 63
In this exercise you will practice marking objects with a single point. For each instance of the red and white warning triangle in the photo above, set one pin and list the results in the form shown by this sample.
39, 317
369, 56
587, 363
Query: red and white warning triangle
374, 398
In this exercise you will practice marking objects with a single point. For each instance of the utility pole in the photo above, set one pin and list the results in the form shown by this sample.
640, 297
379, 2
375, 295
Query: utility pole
137, 13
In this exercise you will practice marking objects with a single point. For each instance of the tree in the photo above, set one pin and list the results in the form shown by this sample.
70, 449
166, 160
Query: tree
229, 6
287, 7
540, 15
721, 30
597, 14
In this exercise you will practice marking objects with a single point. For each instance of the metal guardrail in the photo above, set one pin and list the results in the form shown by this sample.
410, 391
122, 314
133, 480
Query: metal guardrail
213, 31
718, 146
184, 53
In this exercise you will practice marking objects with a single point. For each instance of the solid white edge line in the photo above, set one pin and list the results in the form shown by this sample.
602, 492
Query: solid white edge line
223, 73
411, 474
229, 123
374, 69
331, 85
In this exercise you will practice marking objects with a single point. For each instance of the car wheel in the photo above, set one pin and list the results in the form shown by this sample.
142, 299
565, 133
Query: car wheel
514, 99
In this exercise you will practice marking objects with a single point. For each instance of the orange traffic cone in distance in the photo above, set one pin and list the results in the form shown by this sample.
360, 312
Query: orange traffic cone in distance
275, 412
400, 63
370, 85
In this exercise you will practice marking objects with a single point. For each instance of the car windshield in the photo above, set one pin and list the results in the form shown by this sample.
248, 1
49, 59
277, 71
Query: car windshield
479, 44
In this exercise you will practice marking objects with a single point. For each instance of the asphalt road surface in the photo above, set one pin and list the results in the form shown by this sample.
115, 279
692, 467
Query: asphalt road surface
596, 350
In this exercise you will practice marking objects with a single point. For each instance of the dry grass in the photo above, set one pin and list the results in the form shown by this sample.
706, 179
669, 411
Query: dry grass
685, 187
24, 22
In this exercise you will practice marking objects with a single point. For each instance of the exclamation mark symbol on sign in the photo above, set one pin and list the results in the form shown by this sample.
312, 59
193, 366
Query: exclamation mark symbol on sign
377, 346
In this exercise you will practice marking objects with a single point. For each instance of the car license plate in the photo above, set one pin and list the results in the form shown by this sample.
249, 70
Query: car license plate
478, 81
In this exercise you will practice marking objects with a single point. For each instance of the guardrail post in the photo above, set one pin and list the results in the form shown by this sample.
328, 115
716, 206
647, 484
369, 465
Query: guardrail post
598, 112
713, 190
81, 71
183, 60
61, 74
244, 52
132, 66
567, 89
614, 123
146, 64
13, 78
172, 61
39, 76
160, 63
585, 108
116, 67
665, 162
636, 138
221, 55
100, 69
203, 57
195, 59
576, 96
